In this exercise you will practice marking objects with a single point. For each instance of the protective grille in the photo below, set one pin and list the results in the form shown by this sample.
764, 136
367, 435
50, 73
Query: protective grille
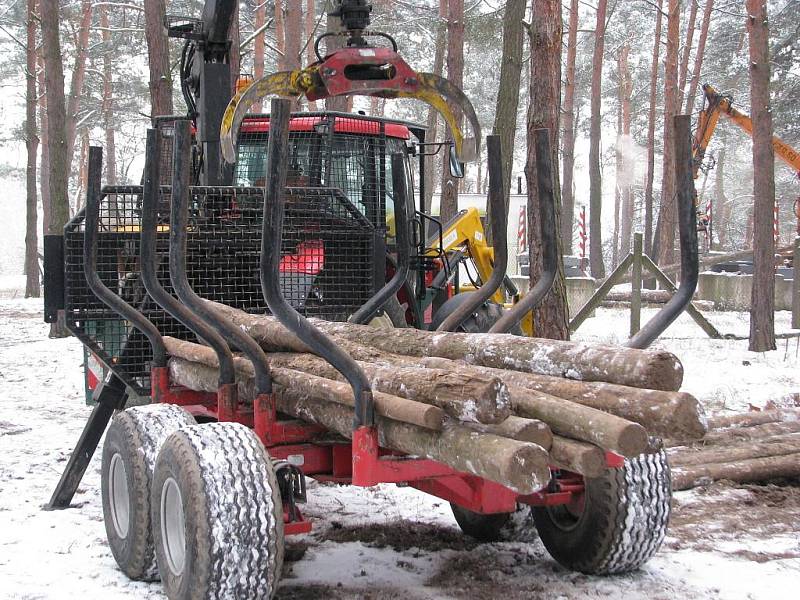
327, 268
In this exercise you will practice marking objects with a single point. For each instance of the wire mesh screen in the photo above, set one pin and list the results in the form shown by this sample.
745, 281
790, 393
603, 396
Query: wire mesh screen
327, 267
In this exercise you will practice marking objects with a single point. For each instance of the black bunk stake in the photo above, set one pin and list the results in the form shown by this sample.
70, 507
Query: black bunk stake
497, 202
111, 393
547, 222
277, 150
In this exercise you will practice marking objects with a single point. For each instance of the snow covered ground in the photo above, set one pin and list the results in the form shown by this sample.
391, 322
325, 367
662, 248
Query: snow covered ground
725, 542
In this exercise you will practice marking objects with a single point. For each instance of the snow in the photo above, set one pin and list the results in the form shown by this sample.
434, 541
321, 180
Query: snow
62, 554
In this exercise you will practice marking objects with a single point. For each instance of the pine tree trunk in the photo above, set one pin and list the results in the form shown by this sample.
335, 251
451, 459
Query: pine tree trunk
667, 216
310, 23
651, 137
568, 152
618, 180
58, 173
334, 25
32, 287
595, 177
158, 58
455, 74
626, 213
44, 166
259, 20
698, 59
505, 119
110, 153
687, 50
280, 35
550, 317
234, 54
294, 34
762, 306
432, 122
78, 76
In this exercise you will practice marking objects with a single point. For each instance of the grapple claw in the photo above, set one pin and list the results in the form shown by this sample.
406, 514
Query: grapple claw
367, 71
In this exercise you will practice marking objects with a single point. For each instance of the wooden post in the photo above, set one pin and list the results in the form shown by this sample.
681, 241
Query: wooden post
636, 284
796, 285
691, 310
601, 293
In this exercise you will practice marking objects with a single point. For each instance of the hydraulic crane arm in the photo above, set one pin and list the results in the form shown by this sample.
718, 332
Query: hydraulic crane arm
718, 104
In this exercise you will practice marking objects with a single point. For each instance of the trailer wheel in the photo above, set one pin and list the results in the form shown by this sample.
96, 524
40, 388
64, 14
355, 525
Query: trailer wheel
217, 515
484, 528
129, 455
620, 522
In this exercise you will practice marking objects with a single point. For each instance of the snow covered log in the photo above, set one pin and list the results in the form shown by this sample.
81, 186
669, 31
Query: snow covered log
676, 415
742, 471
578, 457
749, 419
520, 466
738, 434
467, 397
651, 369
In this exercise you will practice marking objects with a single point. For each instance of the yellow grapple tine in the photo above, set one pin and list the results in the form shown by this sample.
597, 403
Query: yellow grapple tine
283, 83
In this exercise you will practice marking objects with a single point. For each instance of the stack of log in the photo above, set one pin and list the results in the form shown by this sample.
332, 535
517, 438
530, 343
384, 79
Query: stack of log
502, 407
622, 299
745, 447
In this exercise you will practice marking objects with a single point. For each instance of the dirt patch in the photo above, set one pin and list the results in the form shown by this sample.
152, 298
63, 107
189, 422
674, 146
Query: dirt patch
400, 535
727, 511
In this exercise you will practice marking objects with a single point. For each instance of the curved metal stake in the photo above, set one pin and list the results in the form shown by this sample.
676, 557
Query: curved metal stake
179, 227
687, 227
497, 202
277, 155
374, 304
547, 223
149, 268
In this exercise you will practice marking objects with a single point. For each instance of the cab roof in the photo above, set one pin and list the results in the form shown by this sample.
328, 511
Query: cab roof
343, 123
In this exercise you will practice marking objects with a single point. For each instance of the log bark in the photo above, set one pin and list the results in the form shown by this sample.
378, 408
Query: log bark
190, 374
521, 466
736, 434
756, 469
649, 369
470, 398
665, 414
568, 116
774, 446
749, 419
158, 58
581, 422
519, 428
32, 283
110, 151
455, 74
595, 131
578, 457
651, 136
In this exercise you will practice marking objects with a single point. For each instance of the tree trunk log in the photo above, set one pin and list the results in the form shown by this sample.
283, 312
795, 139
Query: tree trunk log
665, 414
650, 369
469, 398
521, 466
521, 429
578, 457
188, 373
774, 446
750, 419
756, 469
738, 434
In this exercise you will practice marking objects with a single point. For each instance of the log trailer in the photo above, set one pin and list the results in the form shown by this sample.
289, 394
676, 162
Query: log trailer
286, 215
722, 105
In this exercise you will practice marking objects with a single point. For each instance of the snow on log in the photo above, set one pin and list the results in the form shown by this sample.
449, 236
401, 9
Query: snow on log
520, 466
738, 434
749, 419
772, 446
676, 415
652, 369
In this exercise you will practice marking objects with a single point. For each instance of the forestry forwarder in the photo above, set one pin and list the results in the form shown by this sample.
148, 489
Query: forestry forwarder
181, 500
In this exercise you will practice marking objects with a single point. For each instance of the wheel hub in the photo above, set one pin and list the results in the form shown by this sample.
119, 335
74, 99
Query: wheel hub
173, 529
118, 496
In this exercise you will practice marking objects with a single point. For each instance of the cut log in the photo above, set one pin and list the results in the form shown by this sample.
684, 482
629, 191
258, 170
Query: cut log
191, 375
469, 397
773, 446
519, 428
738, 434
578, 457
742, 471
578, 422
749, 419
653, 369
520, 466
666, 414
654, 296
